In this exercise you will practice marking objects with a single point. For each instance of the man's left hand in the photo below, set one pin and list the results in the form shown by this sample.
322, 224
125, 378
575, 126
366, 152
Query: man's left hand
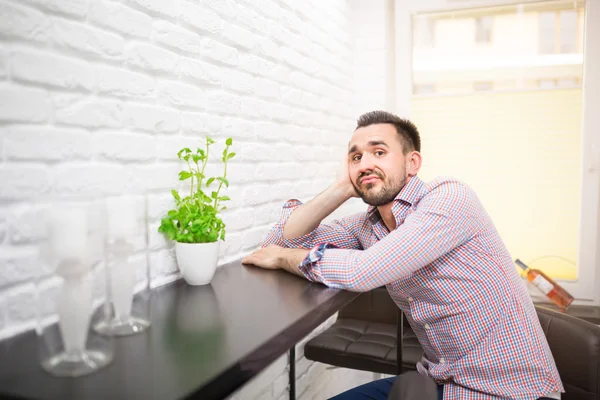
270, 257
276, 257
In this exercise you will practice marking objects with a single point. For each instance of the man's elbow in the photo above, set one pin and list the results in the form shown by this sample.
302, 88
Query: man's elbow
355, 282
353, 287
289, 233
275, 236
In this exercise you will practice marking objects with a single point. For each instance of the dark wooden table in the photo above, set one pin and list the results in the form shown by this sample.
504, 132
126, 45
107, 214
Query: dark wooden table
205, 342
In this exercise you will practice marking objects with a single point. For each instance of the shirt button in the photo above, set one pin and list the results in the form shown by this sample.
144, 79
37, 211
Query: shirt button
426, 326
410, 299
442, 361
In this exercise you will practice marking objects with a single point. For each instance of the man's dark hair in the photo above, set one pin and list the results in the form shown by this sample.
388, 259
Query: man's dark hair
409, 134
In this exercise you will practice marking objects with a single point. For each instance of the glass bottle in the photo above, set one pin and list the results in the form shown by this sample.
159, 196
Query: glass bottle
547, 285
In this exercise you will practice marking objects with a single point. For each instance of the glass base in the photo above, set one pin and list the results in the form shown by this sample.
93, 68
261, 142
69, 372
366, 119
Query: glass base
72, 365
130, 326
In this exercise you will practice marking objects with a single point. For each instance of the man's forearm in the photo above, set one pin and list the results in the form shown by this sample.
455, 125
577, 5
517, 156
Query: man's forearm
308, 216
291, 258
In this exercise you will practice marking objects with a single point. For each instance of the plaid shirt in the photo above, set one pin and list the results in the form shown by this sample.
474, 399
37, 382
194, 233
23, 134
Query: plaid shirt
448, 270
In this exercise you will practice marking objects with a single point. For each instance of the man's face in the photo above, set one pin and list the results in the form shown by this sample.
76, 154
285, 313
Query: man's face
377, 164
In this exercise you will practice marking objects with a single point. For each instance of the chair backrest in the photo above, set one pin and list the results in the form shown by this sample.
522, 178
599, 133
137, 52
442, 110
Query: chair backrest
575, 345
375, 306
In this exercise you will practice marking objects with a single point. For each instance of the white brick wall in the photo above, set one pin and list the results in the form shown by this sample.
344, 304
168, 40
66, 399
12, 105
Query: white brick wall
96, 97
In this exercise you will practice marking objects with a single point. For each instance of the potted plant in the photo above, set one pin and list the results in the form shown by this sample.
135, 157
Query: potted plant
195, 224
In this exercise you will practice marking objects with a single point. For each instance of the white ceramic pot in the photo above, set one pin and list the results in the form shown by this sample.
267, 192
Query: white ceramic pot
197, 261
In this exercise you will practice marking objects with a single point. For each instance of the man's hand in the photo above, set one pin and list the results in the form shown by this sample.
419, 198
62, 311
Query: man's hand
270, 257
343, 180
276, 257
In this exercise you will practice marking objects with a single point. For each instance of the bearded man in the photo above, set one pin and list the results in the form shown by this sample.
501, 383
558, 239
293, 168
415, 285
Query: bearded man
436, 250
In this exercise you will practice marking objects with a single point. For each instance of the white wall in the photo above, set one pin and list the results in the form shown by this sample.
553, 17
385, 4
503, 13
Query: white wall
96, 97
372, 26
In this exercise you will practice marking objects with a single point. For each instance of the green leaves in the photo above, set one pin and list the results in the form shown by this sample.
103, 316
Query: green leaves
227, 156
223, 181
195, 218
199, 156
183, 175
204, 198
193, 226
184, 151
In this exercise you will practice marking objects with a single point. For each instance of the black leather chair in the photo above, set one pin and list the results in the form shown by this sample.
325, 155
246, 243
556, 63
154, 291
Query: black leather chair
364, 337
575, 345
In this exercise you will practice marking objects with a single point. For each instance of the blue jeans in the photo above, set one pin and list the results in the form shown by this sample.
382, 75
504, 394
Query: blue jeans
379, 390
376, 390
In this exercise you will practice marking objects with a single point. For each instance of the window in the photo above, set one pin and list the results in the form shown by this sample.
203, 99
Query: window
507, 48
424, 89
486, 122
482, 86
560, 83
424, 31
567, 82
547, 32
568, 31
483, 29
547, 83
559, 32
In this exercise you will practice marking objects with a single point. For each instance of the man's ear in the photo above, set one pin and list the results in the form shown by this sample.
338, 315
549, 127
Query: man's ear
413, 163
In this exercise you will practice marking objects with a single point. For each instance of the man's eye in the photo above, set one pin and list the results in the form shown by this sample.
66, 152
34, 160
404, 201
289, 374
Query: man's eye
356, 158
379, 152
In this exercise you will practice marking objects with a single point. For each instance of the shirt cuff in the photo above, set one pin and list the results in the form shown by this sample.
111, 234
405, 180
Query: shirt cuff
313, 256
292, 203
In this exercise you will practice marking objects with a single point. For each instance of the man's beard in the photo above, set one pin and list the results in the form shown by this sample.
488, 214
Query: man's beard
384, 195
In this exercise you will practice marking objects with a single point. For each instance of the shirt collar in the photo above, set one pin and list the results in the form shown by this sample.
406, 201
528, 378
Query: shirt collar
410, 194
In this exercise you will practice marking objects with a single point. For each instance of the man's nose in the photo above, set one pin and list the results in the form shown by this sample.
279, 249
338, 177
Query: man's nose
366, 165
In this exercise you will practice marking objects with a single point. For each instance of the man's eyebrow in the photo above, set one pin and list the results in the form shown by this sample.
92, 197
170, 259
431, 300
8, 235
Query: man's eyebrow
374, 143
371, 143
